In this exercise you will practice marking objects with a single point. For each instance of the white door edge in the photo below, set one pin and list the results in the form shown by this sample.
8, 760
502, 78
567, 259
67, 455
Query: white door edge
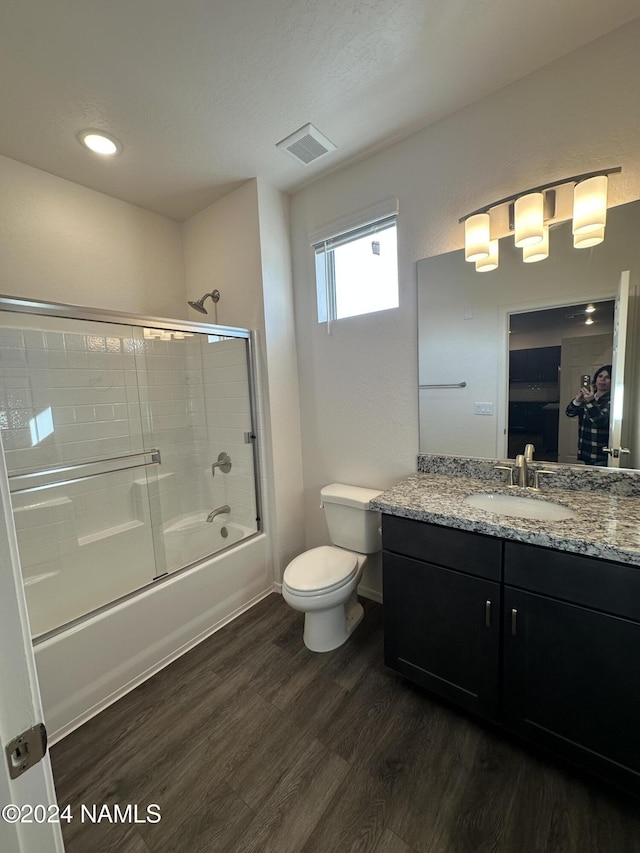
20, 705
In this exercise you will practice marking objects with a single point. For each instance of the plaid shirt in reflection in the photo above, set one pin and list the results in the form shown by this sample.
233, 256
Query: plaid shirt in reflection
593, 431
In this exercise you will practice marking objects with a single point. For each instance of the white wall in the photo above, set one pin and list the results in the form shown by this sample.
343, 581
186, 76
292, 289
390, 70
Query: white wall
283, 397
64, 243
359, 405
222, 251
240, 246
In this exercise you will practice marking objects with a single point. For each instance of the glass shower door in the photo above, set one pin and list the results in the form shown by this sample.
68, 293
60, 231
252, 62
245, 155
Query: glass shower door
130, 453
73, 440
197, 406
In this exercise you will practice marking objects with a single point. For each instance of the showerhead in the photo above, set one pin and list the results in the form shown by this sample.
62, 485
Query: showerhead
199, 304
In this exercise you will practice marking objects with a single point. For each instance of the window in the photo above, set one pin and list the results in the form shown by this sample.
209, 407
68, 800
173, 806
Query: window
357, 270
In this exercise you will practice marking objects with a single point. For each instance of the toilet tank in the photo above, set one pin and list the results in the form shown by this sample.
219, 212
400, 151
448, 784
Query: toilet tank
351, 523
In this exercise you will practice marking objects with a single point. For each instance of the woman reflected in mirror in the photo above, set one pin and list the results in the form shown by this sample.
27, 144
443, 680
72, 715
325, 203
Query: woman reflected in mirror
592, 406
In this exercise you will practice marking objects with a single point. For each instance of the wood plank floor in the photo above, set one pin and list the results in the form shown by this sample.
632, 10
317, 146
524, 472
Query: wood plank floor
252, 743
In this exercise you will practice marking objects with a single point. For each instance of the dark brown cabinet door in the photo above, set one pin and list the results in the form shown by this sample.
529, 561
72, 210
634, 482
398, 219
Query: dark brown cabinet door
572, 683
539, 364
442, 630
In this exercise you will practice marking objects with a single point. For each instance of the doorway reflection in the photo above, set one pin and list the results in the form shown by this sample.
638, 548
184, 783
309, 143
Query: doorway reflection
548, 352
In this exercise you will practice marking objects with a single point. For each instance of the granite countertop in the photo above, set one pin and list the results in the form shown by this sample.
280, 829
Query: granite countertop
606, 526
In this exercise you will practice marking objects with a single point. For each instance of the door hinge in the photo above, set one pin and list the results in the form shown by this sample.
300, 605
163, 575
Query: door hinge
26, 750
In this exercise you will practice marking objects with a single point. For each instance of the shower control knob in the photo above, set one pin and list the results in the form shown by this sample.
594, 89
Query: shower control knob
223, 463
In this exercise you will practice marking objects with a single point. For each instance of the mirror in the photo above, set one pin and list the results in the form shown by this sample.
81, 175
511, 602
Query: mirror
549, 353
464, 320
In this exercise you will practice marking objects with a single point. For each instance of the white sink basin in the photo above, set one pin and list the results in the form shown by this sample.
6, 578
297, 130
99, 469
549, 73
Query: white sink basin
520, 507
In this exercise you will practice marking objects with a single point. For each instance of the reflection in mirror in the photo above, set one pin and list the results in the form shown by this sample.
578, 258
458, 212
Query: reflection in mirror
464, 320
549, 352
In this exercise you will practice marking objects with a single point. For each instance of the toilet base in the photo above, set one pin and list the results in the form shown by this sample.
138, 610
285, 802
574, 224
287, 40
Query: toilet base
325, 630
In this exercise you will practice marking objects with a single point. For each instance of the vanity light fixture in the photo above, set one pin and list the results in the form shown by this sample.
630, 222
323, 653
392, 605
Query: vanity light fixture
590, 238
491, 261
477, 237
531, 212
590, 205
529, 219
100, 142
537, 251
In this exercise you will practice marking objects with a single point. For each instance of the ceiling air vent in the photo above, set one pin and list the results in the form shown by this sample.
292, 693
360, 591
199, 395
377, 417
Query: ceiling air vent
306, 144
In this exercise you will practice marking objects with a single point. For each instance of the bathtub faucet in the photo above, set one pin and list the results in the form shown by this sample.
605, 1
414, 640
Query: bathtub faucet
219, 511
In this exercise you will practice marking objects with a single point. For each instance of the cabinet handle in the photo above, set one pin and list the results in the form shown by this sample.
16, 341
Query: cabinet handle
487, 614
514, 622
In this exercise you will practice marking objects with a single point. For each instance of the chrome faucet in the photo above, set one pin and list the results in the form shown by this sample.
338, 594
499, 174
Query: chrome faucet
219, 511
523, 471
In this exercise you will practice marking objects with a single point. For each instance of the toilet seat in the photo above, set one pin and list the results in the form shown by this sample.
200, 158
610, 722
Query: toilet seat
320, 570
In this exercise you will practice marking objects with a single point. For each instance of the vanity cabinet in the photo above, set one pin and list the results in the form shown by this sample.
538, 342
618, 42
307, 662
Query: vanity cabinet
571, 658
554, 658
442, 601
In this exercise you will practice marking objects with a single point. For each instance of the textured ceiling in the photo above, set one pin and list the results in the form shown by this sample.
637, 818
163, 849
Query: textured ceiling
200, 91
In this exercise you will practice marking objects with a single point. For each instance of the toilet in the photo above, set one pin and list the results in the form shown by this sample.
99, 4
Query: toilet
322, 583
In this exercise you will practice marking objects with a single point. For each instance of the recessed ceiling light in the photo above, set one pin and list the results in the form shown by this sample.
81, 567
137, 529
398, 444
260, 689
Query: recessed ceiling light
589, 309
100, 142
588, 321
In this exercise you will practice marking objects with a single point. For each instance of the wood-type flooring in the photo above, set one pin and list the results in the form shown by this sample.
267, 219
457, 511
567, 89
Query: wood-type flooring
250, 743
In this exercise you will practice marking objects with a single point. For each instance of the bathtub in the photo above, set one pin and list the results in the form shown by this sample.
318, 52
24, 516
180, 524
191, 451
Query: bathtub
191, 537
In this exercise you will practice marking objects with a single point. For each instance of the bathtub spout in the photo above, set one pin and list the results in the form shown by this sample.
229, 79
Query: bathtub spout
219, 511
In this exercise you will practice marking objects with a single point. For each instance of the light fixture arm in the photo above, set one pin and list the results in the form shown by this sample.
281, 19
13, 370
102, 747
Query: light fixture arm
512, 198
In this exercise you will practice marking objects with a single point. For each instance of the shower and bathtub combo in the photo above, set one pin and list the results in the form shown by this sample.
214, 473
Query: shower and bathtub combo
131, 447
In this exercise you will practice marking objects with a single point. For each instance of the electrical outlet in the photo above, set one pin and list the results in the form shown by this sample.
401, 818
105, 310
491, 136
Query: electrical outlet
483, 409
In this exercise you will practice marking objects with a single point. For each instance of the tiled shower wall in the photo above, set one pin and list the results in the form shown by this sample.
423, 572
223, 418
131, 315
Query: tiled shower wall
82, 385
66, 398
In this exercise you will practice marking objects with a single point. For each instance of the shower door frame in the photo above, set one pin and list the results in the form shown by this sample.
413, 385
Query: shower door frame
19, 305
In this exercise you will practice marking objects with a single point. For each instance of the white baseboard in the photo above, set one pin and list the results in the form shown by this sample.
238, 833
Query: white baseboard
372, 594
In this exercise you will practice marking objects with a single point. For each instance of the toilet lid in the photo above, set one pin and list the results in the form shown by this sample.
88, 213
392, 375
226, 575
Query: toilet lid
321, 568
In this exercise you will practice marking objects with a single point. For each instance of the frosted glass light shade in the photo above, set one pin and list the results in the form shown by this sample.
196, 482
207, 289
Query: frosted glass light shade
477, 237
590, 205
537, 251
100, 142
529, 219
591, 238
491, 262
